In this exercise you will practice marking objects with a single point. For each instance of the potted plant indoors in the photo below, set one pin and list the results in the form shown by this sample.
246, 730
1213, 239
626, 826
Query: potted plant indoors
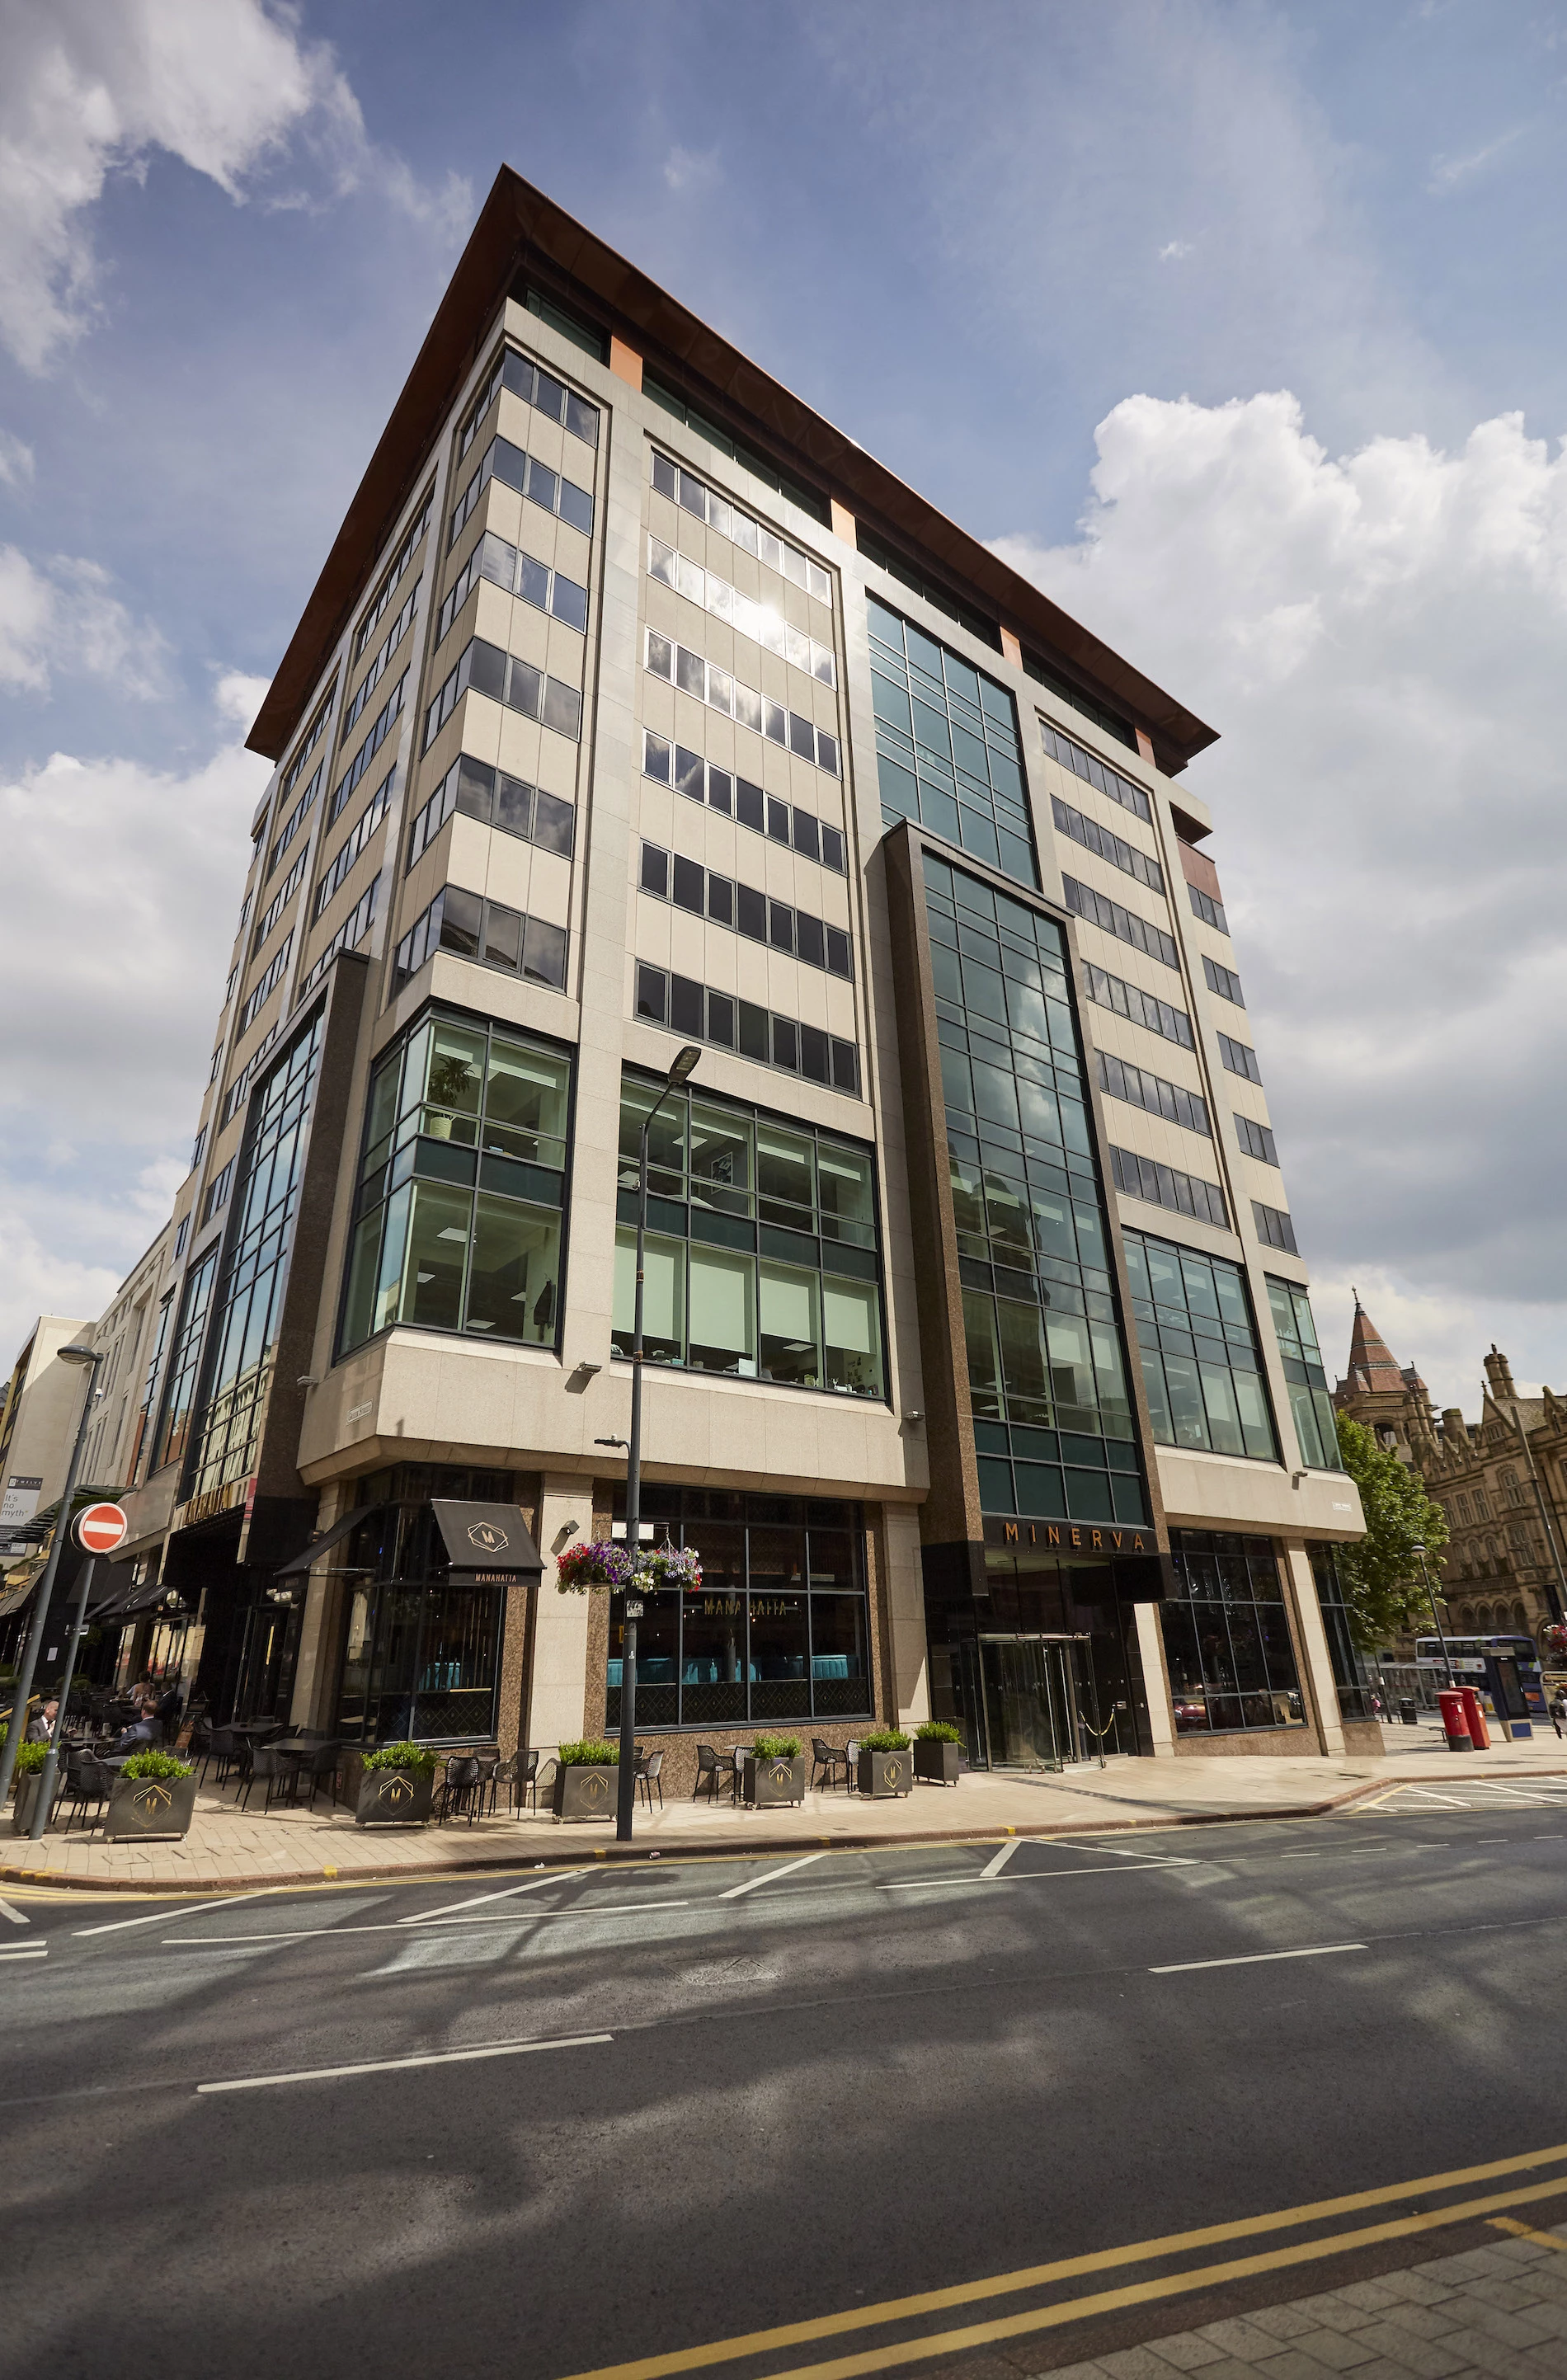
29, 1761
775, 1773
155, 1794
885, 1766
396, 1785
936, 1745
585, 1779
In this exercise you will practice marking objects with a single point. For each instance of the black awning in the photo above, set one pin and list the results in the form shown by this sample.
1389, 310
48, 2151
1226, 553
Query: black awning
331, 1537
492, 1540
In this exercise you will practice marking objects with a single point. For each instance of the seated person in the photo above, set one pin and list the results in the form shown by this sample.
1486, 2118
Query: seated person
40, 1726
138, 1737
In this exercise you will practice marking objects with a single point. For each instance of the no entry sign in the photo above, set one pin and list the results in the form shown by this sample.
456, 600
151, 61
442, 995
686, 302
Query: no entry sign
100, 1528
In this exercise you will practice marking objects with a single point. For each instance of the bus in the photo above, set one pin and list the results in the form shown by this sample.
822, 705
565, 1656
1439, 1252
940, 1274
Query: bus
1467, 1656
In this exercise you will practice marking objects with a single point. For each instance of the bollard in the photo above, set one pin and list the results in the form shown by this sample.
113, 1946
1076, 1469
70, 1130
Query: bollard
1455, 1725
1475, 1720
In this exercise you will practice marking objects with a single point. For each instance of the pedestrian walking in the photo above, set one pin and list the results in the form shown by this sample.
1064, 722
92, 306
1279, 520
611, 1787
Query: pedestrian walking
1559, 1710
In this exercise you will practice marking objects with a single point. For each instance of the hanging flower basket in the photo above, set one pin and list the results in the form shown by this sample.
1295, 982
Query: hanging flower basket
600, 1564
607, 1563
1556, 1641
667, 1565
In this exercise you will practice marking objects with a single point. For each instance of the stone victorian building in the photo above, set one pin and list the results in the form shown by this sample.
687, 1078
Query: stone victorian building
1500, 1480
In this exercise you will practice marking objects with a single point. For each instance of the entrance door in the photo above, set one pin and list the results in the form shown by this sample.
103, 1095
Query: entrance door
1029, 1693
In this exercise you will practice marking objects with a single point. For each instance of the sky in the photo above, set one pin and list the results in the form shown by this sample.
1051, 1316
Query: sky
1239, 328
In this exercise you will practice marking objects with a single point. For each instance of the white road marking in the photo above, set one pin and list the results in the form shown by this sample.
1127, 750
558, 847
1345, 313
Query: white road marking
736, 1890
171, 1916
1032, 1875
993, 1867
1259, 1958
1113, 1851
398, 2065
14, 1914
29, 1950
554, 1876
502, 1917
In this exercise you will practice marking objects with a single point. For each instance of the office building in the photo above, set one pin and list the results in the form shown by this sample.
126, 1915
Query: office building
636, 706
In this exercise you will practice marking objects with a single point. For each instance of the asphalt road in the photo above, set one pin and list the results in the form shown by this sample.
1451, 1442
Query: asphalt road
757, 2093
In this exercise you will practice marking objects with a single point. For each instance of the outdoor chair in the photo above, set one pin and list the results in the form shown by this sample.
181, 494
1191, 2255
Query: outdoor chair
648, 1774
488, 1764
276, 1774
89, 1784
743, 1751
324, 1761
461, 1792
831, 1757
524, 1778
710, 1772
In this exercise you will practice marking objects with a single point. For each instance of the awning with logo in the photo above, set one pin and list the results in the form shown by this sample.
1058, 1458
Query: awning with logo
331, 1537
487, 1540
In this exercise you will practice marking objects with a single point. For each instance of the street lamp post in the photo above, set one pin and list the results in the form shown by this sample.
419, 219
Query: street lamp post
40, 1617
685, 1060
1418, 1547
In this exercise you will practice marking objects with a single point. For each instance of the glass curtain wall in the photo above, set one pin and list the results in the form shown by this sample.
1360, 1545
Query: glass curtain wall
1047, 1367
763, 1248
1309, 1402
1352, 1679
779, 1628
462, 1186
947, 750
1202, 1363
249, 1305
1227, 1636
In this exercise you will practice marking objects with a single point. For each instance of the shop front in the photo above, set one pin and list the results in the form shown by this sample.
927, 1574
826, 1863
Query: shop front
777, 1636
424, 1584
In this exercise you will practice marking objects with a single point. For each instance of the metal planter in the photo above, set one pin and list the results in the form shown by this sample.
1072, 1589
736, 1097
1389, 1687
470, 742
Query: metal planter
776, 1784
583, 1792
392, 1797
26, 1802
936, 1761
144, 1806
883, 1776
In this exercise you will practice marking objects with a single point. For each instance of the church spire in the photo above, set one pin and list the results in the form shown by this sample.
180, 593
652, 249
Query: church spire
1371, 1356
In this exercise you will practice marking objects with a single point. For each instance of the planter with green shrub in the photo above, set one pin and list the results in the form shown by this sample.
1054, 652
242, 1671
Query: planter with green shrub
885, 1770
936, 1752
26, 1779
775, 1773
585, 1779
155, 1794
396, 1785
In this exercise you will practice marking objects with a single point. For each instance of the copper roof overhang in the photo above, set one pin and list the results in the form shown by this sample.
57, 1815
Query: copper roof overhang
521, 231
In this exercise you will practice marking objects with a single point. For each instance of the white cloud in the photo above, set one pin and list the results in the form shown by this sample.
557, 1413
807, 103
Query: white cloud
227, 85
118, 921
16, 462
1173, 250
690, 169
63, 617
1447, 173
1379, 637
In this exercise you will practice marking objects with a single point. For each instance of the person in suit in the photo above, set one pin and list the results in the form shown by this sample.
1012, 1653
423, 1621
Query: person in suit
143, 1732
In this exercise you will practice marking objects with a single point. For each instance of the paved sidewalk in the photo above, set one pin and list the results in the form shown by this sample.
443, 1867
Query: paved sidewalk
232, 1851
1494, 2314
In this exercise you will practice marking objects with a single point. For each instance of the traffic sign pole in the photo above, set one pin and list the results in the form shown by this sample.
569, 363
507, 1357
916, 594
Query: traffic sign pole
18, 1727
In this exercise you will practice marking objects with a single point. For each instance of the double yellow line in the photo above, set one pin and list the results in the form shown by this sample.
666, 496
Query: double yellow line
1077, 2309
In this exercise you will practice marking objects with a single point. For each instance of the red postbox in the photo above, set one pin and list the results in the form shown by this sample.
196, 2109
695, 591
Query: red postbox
1475, 1720
1455, 1723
